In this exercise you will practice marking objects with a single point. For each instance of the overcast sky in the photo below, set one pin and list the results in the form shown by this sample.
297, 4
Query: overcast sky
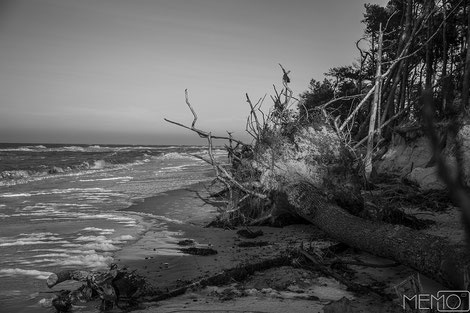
109, 71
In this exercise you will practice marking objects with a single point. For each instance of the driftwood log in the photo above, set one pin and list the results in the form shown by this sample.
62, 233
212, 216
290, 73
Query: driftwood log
113, 287
430, 255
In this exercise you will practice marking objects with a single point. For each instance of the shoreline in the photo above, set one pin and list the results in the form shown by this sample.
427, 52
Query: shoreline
157, 257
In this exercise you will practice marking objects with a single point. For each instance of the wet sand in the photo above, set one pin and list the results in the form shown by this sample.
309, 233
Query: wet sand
157, 254
157, 257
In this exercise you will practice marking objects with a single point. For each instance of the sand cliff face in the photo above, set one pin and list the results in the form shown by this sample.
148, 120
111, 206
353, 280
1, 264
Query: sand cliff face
411, 156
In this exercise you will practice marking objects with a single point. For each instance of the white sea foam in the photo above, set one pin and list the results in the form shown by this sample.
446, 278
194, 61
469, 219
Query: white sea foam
17, 149
58, 191
102, 243
124, 178
72, 148
99, 164
177, 155
31, 239
11, 195
116, 218
167, 219
48, 250
101, 246
51, 255
21, 242
52, 219
107, 231
18, 271
38, 147
124, 238
90, 238
90, 260
102, 231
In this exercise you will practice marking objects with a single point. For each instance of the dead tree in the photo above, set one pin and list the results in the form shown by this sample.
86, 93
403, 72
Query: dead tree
320, 186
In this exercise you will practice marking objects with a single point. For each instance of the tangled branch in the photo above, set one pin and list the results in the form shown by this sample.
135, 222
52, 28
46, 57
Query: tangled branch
222, 174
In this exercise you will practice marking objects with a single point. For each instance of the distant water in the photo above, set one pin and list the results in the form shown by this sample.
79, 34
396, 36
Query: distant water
59, 208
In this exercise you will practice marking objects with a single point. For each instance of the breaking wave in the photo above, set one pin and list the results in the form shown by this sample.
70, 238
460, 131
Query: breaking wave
19, 271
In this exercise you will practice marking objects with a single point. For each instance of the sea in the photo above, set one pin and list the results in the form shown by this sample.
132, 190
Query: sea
62, 206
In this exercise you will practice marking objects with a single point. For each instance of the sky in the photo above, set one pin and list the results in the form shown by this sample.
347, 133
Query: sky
109, 71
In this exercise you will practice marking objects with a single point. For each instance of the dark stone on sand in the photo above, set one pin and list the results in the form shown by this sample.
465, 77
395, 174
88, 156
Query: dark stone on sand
249, 233
186, 242
199, 251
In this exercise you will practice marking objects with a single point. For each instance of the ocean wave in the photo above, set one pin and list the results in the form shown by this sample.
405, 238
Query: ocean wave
14, 195
98, 164
54, 192
123, 178
192, 155
102, 243
25, 148
83, 148
42, 148
109, 163
15, 177
94, 261
177, 155
31, 239
19, 271
83, 164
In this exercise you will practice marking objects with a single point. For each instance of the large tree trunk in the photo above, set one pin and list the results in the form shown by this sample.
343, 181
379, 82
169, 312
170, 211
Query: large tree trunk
431, 255
314, 169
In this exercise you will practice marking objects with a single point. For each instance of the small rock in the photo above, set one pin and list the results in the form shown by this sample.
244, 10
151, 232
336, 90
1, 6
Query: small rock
186, 242
249, 233
343, 305
199, 251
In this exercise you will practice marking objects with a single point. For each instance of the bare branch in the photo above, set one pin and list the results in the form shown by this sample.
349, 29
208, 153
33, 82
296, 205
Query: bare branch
253, 114
201, 133
370, 93
382, 126
339, 99
191, 108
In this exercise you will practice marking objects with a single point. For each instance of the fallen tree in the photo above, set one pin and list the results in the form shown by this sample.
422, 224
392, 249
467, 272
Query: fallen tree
316, 172
434, 256
310, 171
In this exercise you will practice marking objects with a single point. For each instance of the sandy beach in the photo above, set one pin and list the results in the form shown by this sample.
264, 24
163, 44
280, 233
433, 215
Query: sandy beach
259, 278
